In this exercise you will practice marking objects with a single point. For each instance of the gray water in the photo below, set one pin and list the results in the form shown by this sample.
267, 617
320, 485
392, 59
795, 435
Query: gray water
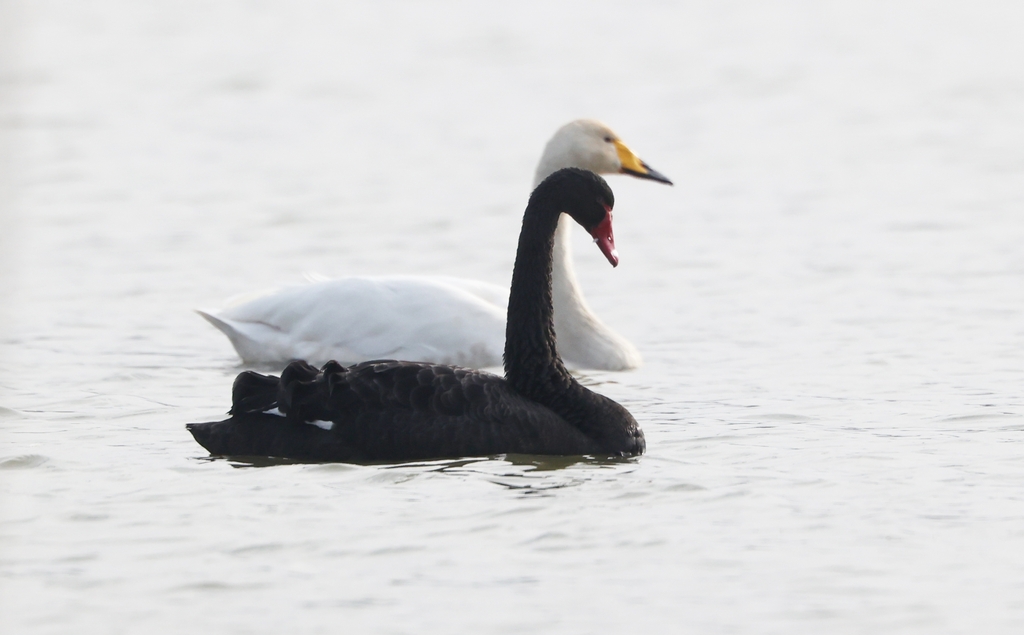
830, 303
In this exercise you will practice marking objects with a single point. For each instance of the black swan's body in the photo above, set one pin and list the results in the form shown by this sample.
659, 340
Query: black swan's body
394, 410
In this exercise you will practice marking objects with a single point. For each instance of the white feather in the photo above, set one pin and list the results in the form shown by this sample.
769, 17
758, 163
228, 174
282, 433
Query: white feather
320, 423
438, 319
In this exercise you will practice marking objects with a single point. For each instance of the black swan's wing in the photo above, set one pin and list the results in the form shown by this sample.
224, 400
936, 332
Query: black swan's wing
383, 411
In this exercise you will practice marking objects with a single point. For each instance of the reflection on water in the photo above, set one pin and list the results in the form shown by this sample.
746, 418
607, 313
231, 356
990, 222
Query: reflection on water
529, 473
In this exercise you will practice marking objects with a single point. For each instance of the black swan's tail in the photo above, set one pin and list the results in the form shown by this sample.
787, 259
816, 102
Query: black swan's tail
267, 417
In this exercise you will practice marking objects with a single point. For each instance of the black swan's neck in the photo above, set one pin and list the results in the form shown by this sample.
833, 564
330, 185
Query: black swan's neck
532, 364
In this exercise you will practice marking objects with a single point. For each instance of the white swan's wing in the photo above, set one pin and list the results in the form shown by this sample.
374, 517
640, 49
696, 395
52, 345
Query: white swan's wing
490, 293
361, 318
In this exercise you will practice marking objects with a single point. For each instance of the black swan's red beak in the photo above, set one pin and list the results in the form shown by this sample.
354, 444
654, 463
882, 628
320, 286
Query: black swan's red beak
605, 239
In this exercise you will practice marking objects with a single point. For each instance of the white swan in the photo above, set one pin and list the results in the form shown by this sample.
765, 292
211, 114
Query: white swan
440, 319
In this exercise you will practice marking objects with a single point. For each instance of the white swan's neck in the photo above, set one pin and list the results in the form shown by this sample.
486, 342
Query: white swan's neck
583, 339
570, 305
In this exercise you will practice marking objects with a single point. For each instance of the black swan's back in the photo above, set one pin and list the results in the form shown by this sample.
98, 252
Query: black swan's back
393, 411
386, 411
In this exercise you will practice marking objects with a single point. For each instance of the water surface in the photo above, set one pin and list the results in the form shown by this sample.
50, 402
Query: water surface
830, 304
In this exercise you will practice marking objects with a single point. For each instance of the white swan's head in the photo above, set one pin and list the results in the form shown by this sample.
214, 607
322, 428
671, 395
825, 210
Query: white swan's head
593, 146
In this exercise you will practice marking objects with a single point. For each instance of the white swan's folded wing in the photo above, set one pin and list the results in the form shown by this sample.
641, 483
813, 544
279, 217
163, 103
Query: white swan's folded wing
359, 318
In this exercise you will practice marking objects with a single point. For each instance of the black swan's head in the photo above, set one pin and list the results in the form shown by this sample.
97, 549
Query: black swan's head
585, 197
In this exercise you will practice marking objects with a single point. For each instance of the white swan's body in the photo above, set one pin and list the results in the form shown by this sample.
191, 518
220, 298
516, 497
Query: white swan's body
440, 319
412, 318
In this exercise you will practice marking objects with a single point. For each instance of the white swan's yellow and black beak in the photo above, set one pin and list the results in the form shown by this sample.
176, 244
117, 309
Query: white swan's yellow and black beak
631, 164
605, 239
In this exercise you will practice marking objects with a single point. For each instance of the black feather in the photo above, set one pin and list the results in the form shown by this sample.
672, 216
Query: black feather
385, 410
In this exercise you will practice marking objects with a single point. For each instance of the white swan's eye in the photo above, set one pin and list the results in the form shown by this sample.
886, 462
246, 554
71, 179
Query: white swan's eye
608, 139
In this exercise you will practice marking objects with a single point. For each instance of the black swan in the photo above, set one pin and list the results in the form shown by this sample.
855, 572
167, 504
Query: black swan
397, 411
